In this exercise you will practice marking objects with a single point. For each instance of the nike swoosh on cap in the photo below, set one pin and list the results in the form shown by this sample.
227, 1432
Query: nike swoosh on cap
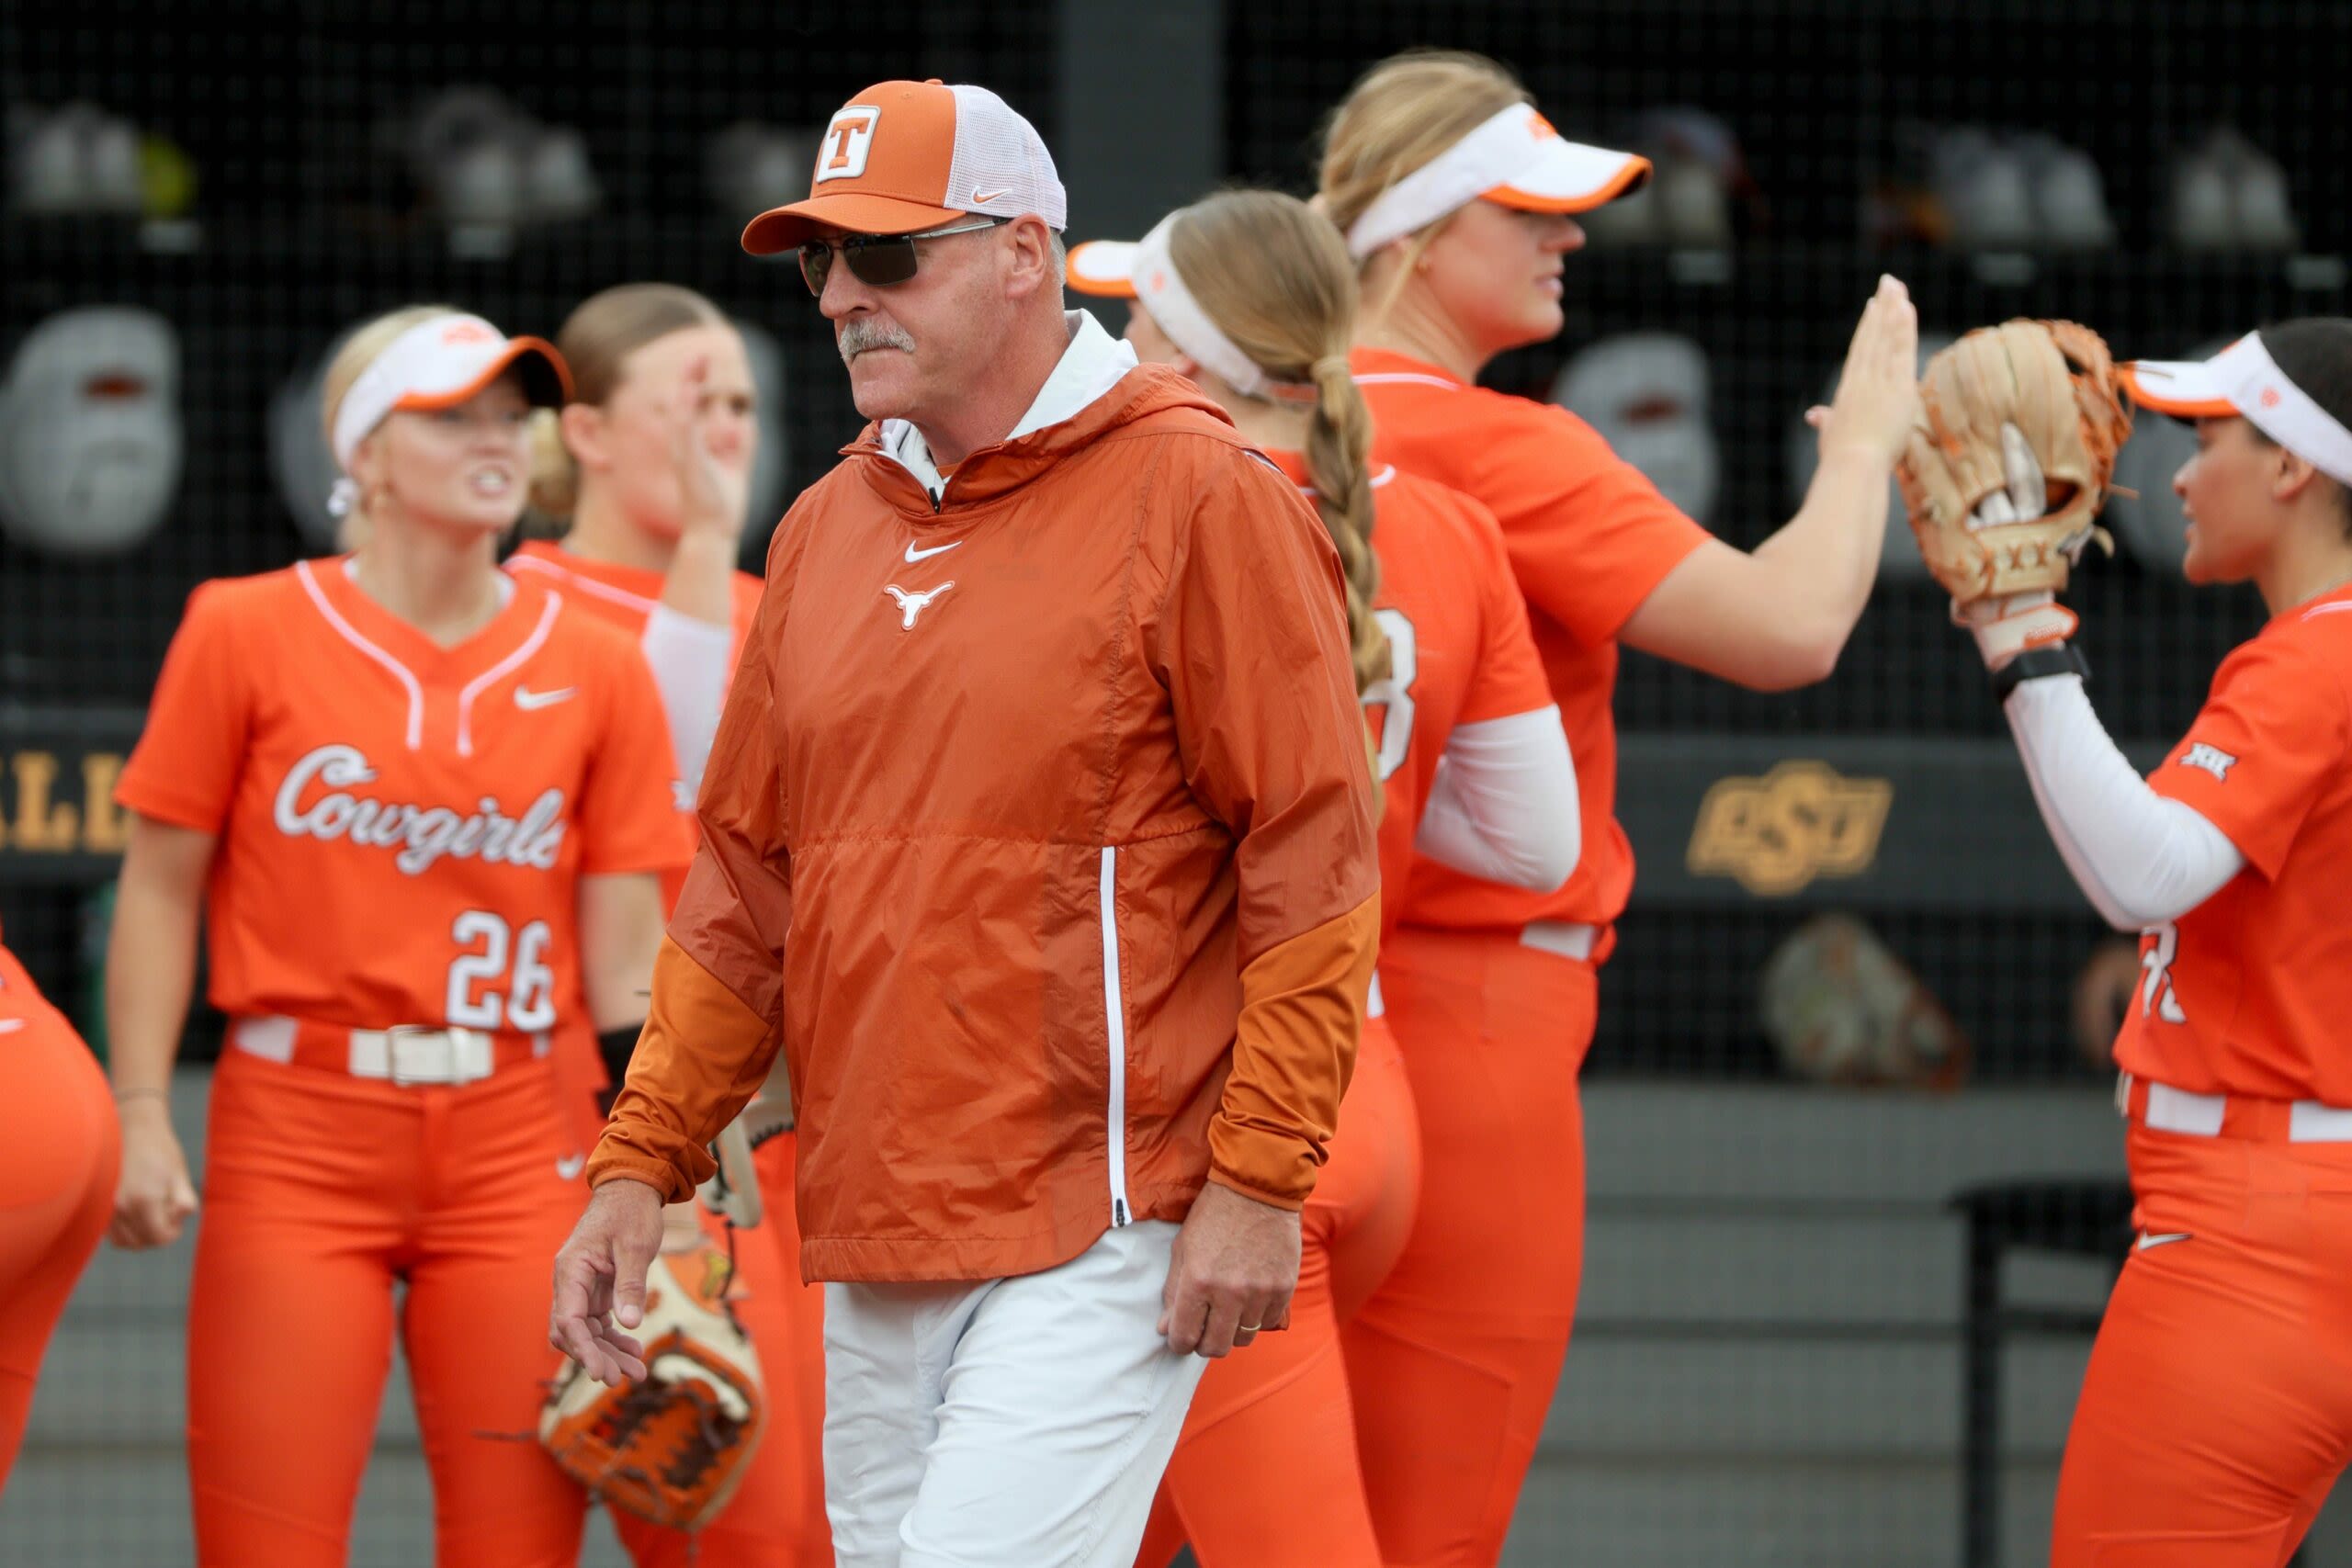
528, 699
914, 555
980, 194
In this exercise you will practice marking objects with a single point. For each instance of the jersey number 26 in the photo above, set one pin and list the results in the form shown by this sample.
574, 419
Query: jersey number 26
529, 1002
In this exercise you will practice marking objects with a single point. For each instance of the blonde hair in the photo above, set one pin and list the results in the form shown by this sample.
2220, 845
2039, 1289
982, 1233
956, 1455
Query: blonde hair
365, 345
595, 340
1399, 114
1274, 279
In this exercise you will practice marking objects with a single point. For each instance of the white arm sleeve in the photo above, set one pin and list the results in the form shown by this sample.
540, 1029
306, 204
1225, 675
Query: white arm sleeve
2141, 859
689, 662
1503, 804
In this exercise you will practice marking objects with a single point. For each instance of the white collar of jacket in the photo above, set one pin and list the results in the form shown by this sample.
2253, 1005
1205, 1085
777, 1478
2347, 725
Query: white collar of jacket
1093, 363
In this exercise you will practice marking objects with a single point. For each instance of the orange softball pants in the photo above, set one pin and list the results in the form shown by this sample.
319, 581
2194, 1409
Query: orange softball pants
2217, 1411
1454, 1359
1265, 1475
58, 1169
323, 1192
800, 1355
770, 1520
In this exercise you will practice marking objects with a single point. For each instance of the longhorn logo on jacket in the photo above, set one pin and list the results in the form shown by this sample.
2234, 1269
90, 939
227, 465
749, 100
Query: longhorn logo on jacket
914, 604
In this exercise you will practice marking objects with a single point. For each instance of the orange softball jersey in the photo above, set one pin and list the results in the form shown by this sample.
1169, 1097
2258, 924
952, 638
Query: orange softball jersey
1459, 647
402, 825
1589, 537
624, 595
2247, 993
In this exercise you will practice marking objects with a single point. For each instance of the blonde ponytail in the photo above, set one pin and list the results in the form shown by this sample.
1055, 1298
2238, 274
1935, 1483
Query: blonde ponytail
1274, 277
1339, 463
555, 475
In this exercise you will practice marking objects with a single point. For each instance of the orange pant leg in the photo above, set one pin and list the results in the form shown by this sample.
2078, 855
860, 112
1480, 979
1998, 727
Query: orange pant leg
1454, 1359
1272, 1425
798, 1356
760, 1527
2217, 1410
501, 1198
291, 1308
58, 1168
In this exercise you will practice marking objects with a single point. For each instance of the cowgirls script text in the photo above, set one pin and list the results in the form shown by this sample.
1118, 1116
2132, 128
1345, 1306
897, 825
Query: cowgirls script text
422, 836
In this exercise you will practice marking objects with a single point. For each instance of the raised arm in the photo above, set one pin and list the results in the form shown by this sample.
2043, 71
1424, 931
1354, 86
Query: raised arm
1777, 617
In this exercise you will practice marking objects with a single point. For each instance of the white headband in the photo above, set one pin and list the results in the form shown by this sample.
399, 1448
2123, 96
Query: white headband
1159, 287
2244, 380
434, 365
1515, 158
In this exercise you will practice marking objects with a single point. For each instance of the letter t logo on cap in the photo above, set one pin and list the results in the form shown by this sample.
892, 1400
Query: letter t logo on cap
841, 155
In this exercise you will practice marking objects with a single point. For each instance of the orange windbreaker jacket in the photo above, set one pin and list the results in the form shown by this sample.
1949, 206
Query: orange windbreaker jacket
1058, 783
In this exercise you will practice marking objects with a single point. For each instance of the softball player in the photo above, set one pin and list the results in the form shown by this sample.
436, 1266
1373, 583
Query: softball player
1458, 200
57, 1172
647, 466
1251, 295
2217, 1411
423, 806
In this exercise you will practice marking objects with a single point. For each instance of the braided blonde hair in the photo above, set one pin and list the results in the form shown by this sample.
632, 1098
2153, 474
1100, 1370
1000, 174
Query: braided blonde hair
1274, 277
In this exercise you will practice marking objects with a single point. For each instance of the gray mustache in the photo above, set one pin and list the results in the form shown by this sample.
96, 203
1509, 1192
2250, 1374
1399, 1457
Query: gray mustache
856, 337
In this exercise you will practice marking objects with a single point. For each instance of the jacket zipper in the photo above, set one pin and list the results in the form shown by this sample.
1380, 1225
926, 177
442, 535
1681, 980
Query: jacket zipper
1114, 1011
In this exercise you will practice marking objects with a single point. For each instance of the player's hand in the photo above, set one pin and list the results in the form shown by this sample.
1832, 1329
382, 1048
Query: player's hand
154, 1197
1877, 392
713, 490
600, 1282
1230, 1277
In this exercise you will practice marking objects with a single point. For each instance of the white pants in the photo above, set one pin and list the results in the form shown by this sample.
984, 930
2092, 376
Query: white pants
1018, 1423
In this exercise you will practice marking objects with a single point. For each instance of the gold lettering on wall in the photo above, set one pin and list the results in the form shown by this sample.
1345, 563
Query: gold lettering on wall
60, 804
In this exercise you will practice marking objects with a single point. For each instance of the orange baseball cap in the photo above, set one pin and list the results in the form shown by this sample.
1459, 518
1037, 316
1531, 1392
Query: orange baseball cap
905, 156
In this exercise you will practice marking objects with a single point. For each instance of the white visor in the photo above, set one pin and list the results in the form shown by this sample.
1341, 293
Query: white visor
1140, 270
2244, 380
1515, 159
1105, 268
439, 364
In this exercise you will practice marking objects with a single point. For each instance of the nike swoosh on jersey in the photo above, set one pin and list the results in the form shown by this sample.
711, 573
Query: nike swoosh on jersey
569, 1168
528, 699
2147, 1240
914, 555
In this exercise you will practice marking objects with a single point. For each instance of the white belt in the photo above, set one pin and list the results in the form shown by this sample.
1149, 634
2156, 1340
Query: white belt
452, 1055
2171, 1110
1568, 939
406, 1055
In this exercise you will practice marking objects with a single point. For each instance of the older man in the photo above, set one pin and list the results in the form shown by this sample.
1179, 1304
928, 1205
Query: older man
1045, 749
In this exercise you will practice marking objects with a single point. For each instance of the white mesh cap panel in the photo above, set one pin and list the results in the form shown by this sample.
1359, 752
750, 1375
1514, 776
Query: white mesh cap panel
1002, 167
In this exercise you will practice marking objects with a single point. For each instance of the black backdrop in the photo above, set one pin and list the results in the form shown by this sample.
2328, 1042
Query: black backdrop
307, 220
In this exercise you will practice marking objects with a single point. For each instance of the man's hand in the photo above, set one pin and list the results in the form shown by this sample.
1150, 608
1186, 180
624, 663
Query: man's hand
600, 1282
1234, 1265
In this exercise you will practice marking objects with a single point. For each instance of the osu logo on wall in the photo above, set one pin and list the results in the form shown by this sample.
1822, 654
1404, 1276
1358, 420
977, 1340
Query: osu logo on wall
1800, 821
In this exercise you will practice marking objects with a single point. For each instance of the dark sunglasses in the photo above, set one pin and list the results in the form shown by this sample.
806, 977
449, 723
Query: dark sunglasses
881, 260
